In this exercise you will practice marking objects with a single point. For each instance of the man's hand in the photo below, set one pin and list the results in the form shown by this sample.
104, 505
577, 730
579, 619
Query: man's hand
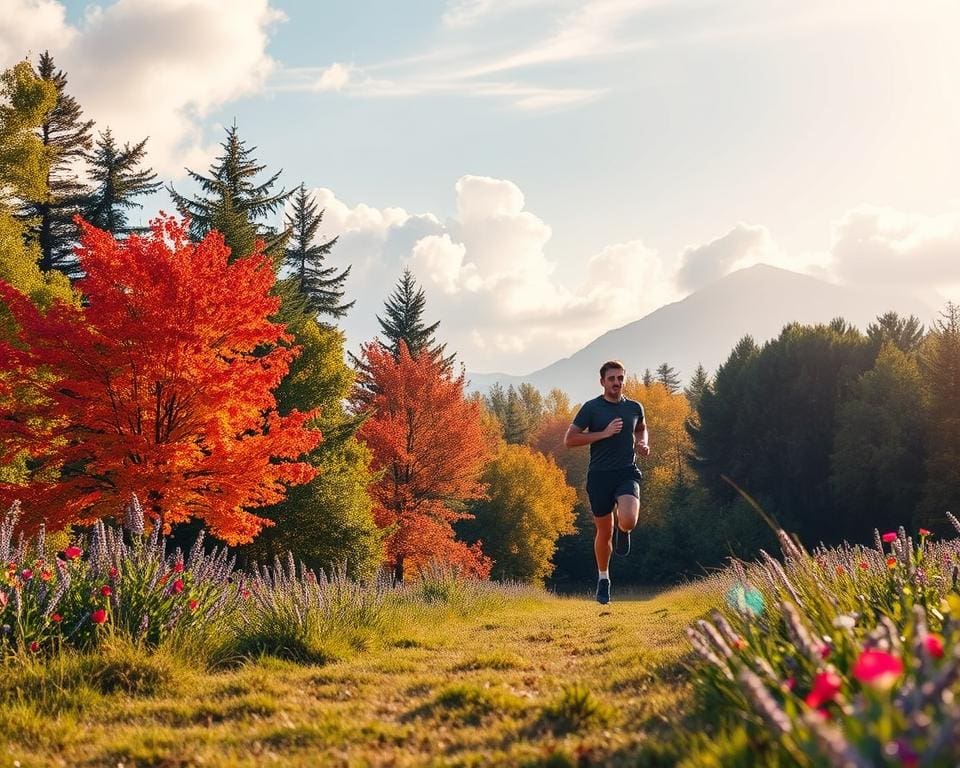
613, 427
643, 449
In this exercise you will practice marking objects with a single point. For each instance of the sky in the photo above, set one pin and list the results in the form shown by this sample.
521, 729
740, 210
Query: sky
550, 170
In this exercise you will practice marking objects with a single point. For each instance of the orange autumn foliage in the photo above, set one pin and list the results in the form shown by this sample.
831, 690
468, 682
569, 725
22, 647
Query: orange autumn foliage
430, 445
161, 385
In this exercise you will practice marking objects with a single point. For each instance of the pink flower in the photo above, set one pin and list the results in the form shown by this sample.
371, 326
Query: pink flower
878, 669
934, 645
888, 537
924, 532
26, 574
98, 616
177, 587
826, 686
3, 599
72, 553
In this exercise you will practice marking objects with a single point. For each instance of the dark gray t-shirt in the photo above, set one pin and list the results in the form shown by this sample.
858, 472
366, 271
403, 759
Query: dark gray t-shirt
617, 451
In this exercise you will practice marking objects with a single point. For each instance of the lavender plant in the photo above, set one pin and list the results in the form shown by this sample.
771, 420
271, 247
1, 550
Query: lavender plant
844, 656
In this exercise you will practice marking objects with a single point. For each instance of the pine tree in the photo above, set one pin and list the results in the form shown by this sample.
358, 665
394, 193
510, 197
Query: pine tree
233, 203
647, 378
667, 376
119, 181
905, 333
699, 384
516, 423
403, 321
66, 139
322, 286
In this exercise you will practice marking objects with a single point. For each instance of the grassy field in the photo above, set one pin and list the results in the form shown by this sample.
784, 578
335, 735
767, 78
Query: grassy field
519, 677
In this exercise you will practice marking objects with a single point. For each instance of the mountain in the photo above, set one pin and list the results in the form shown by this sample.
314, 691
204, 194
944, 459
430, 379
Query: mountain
704, 327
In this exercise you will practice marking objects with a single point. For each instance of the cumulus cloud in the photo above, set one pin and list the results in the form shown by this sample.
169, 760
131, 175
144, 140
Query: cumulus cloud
153, 69
333, 78
876, 246
742, 246
488, 276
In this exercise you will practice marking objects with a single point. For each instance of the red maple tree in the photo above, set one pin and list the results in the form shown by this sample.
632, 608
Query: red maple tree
160, 385
431, 446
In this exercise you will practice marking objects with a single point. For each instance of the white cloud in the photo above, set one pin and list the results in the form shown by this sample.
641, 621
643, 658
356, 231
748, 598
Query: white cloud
333, 78
488, 277
30, 27
742, 246
879, 245
147, 68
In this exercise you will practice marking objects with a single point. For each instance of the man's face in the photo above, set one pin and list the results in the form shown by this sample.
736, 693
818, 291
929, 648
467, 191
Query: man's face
612, 382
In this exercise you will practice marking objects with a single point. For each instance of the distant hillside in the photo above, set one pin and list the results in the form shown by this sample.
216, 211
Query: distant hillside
705, 326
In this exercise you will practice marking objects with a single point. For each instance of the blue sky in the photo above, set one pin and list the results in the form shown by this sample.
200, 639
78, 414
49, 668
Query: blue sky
553, 169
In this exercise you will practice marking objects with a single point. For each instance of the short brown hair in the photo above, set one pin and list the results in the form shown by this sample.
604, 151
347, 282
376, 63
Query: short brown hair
609, 365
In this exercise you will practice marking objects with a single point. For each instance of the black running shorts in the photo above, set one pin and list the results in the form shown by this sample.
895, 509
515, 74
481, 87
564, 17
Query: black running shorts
605, 485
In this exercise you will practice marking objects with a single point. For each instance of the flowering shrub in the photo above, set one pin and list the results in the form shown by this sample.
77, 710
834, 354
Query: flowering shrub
115, 581
847, 656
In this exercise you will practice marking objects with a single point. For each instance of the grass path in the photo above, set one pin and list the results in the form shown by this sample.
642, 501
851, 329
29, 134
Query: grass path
531, 679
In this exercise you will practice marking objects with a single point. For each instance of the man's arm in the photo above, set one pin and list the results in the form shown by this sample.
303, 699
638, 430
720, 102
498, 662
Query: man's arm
641, 438
576, 436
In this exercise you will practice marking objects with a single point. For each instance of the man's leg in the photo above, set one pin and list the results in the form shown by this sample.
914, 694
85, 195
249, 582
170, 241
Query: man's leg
603, 541
628, 512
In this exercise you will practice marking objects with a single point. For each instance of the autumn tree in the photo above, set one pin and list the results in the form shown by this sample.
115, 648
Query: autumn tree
304, 256
529, 507
66, 138
429, 444
118, 180
157, 387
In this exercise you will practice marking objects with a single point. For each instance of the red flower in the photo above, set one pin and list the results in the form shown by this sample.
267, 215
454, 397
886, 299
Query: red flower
193, 605
34, 646
46, 575
98, 616
841, 570
934, 645
113, 572
878, 669
177, 587
888, 537
864, 565
105, 590
891, 562
924, 532
71, 553
56, 618
245, 593
26, 574
178, 566
826, 685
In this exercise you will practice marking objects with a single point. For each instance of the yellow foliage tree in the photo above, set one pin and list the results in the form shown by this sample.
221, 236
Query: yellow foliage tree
529, 507
666, 414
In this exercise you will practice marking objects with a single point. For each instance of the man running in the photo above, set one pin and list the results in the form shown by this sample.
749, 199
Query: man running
614, 428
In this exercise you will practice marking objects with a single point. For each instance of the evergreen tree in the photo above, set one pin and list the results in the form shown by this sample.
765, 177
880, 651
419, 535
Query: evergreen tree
699, 384
905, 333
516, 423
533, 406
940, 363
667, 376
322, 286
647, 378
403, 321
496, 402
234, 202
66, 139
119, 181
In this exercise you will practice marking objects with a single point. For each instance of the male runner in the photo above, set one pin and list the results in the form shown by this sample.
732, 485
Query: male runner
614, 428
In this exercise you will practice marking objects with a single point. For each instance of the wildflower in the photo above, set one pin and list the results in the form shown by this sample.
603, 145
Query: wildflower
177, 587
244, 593
34, 646
56, 618
72, 553
924, 532
178, 566
789, 684
889, 537
934, 645
739, 643
193, 605
878, 669
105, 590
826, 686
841, 570
113, 572
891, 562
26, 574
46, 574
98, 616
